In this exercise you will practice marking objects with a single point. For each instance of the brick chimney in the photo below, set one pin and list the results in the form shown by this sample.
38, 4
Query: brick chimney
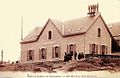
92, 9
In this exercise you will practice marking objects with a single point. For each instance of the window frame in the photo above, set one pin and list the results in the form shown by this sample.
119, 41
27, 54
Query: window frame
93, 48
49, 35
41, 53
103, 50
30, 55
54, 51
99, 32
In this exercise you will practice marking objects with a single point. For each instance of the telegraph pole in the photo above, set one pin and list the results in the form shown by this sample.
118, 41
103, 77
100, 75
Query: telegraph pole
22, 28
1, 56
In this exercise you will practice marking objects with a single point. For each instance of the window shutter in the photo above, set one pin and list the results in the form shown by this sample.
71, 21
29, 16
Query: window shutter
106, 49
74, 47
27, 55
100, 49
59, 54
40, 54
96, 48
32, 54
53, 52
45, 54
90, 48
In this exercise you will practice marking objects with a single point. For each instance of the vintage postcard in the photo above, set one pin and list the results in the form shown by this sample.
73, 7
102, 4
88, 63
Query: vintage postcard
60, 39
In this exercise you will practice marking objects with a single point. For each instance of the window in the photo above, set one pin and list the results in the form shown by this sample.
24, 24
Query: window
99, 32
94, 48
42, 53
30, 55
71, 48
56, 52
103, 50
49, 35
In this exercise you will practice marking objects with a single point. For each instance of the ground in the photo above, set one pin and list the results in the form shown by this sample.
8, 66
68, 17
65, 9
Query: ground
87, 64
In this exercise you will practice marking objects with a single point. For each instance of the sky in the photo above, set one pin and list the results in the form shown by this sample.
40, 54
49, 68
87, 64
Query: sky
36, 12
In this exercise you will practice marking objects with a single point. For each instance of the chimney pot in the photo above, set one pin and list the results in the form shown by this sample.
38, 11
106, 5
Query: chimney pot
92, 9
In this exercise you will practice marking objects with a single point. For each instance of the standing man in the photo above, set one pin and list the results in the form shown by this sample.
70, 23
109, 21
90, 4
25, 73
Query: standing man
75, 55
79, 56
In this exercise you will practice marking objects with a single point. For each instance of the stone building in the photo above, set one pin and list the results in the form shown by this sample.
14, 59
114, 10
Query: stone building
88, 34
115, 31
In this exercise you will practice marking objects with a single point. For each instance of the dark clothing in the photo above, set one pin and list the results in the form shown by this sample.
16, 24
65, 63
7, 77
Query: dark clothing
79, 56
75, 55
71, 53
67, 57
82, 55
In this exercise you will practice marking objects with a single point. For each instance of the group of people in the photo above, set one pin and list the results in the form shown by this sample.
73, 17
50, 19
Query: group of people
68, 56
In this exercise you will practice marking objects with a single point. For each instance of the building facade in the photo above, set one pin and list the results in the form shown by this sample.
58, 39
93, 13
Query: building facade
89, 35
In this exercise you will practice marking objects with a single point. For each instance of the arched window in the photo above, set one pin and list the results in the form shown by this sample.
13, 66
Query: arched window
103, 49
99, 32
43, 53
49, 35
56, 51
93, 48
30, 55
71, 48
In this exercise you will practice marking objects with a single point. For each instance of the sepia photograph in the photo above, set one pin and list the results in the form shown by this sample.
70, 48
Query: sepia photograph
60, 39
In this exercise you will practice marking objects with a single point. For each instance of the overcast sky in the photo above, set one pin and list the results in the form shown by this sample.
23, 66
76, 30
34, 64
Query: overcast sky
36, 12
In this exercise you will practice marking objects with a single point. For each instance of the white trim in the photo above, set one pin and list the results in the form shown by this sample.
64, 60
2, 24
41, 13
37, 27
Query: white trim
56, 46
42, 48
30, 49
71, 43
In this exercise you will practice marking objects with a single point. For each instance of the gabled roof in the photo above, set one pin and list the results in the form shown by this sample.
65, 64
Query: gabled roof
114, 29
78, 26
33, 35
66, 28
58, 24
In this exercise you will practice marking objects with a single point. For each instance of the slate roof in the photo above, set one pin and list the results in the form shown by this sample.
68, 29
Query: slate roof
114, 28
66, 28
32, 36
77, 26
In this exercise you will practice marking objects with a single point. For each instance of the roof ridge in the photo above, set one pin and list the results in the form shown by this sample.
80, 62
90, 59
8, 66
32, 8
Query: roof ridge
94, 20
64, 27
